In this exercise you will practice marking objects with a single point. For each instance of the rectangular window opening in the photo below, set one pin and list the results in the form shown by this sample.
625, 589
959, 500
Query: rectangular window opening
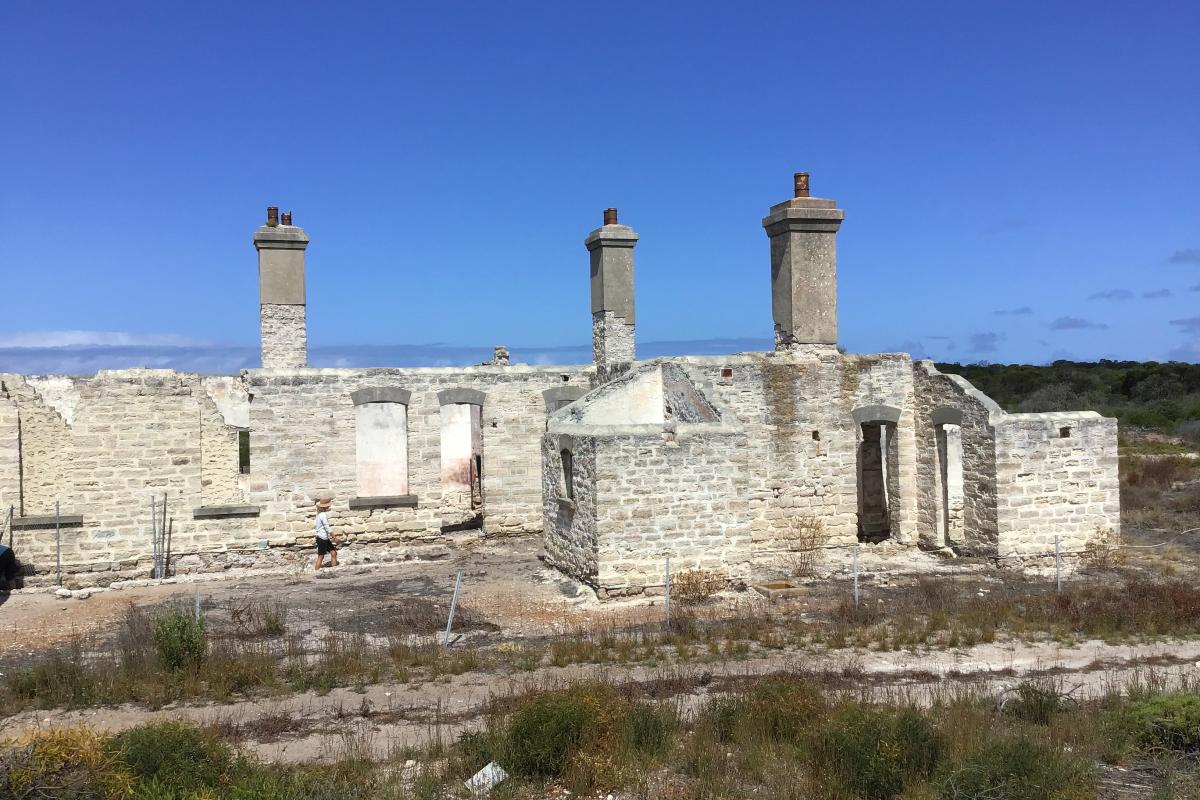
1064, 433
816, 436
244, 452
727, 372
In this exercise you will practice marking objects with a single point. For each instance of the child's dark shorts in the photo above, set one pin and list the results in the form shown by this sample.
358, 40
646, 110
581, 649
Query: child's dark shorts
324, 546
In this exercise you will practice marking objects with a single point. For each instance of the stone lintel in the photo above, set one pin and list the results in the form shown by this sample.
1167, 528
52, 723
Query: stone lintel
218, 512
381, 394
876, 413
472, 397
557, 394
392, 501
611, 236
945, 415
47, 521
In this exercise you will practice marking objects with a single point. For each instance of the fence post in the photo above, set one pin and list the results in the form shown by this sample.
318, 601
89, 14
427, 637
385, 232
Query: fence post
162, 541
153, 537
1057, 566
453, 605
667, 593
57, 546
855, 559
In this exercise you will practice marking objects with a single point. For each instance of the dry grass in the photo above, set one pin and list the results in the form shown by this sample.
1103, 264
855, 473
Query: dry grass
694, 586
806, 539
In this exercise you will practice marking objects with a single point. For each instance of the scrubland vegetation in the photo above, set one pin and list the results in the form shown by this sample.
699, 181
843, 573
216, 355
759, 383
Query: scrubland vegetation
782, 736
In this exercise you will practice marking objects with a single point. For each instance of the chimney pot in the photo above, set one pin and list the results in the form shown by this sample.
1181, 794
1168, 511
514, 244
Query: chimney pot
610, 216
287, 218
272, 216
801, 179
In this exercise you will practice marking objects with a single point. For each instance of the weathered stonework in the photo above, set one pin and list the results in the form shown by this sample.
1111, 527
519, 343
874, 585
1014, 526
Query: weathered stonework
725, 463
612, 339
284, 336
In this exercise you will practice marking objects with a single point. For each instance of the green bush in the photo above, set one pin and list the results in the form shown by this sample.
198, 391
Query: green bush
1034, 702
1018, 768
776, 709
175, 757
62, 763
179, 640
876, 752
649, 729
1168, 720
588, 734
545, 731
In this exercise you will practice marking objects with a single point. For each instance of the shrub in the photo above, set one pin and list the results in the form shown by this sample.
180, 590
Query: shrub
805, 540
1168, 720
876, 752
783, 709
1018, 768
587, 734
63, 763
546, 730
1034, 702
696, 585
178, 757
179, 640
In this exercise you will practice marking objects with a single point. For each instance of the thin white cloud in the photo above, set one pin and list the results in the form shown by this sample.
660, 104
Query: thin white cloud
95, 339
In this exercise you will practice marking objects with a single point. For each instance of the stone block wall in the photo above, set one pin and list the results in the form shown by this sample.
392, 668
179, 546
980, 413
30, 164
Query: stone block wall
797, 411
976, 415
570, 534
677, 496
284, 335
1056, 475
302, 442
127, 435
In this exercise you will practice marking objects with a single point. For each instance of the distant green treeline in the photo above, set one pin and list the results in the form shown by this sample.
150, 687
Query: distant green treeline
1143, 394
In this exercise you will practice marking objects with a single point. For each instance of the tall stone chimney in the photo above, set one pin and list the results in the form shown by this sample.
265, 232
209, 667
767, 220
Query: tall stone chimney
281, 292
611, 247
803, 233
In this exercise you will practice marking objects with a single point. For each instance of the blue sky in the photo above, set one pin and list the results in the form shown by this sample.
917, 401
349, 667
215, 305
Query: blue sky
1019, 179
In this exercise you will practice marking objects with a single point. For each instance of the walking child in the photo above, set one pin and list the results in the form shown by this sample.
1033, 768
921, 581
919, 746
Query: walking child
326, 541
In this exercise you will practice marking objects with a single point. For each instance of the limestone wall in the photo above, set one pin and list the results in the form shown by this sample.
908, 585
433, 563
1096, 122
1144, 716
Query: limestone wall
677, 497
975, 414
302, 442
284, 336
797, 411
131, 434
570, 534
1056, 474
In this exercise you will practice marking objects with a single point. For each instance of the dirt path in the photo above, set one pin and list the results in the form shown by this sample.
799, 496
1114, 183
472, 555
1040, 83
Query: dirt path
388, 718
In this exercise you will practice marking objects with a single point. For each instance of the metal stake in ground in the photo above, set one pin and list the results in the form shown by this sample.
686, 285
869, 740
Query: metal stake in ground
153, 537
855, 559
453, 606
162, 544
57, 546
667, 593
1057, 566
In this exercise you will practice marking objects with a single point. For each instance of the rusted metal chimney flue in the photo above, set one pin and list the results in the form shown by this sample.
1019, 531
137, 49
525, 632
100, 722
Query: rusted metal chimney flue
610, 216
272, 216
801, 179
287, 218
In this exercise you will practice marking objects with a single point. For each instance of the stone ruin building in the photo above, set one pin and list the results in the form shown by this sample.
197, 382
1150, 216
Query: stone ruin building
720, 462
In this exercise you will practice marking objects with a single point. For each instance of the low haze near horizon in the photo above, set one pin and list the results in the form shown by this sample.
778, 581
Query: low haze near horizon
1018, 179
